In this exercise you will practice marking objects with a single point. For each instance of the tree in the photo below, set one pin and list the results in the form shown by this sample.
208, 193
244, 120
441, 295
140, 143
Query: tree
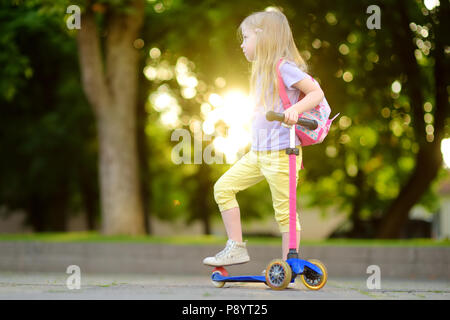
111, 85
428, 158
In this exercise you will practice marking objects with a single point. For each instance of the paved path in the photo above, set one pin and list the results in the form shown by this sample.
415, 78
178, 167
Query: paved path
53, 286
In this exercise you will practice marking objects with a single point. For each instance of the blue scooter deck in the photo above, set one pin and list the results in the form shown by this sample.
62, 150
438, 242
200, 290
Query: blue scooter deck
219, 277
297, 266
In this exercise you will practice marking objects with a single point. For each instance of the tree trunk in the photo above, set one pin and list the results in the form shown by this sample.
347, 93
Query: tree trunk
204, 187
200, 203
428, 164
144, 151
112, 94
429, 158
357, 228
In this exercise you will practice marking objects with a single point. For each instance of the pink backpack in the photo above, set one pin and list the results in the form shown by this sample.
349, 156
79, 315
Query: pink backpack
320, 113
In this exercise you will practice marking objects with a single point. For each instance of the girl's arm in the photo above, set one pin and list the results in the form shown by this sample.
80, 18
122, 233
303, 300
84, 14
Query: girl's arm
313, 96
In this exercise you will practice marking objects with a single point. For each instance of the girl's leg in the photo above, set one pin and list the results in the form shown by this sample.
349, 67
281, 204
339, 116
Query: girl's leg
285, 243
232, 221
240, 176
243, 174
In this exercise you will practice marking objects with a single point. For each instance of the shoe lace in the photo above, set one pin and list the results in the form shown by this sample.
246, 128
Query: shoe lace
226, 250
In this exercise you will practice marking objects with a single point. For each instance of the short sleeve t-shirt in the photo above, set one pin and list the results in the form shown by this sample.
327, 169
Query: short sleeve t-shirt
271, 135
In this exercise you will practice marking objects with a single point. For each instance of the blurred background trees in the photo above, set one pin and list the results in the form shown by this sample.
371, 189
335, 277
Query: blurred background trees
48, 139
183, 68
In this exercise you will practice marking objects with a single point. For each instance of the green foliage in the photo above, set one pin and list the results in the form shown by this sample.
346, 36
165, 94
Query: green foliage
47, 130
370, 151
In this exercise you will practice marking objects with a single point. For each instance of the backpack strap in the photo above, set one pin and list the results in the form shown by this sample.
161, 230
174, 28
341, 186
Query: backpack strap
283, 94
281, 88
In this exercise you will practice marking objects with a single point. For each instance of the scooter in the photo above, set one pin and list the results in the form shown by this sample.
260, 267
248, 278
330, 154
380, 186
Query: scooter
279, 273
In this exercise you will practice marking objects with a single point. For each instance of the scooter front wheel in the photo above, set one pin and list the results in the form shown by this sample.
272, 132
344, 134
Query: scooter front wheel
278, 274
311, 279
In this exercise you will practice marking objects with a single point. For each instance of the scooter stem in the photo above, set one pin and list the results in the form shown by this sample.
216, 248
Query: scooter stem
292, 151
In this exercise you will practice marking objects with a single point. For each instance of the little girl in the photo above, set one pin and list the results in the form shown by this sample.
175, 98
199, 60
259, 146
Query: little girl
267, 38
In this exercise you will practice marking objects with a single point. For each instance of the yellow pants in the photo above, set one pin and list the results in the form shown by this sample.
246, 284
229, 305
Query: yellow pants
253, 168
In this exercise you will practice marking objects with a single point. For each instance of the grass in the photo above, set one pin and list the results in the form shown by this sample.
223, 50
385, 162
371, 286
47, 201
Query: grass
97, 237
107, 285
210, 240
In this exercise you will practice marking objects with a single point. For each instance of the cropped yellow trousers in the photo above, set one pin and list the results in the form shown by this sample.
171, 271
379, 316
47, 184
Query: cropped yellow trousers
252, 168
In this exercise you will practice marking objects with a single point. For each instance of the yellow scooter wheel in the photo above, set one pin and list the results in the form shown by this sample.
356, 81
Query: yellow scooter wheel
311, 279
278, 274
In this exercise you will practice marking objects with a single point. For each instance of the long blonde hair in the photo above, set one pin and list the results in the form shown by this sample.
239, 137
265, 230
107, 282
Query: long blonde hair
274, 40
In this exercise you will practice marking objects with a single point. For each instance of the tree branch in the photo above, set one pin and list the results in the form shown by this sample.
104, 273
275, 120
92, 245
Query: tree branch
121, 56
91, 64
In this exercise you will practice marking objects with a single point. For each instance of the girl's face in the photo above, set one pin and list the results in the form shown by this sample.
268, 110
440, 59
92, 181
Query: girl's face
249, 43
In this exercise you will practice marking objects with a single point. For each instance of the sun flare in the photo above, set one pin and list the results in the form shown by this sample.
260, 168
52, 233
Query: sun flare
235, 109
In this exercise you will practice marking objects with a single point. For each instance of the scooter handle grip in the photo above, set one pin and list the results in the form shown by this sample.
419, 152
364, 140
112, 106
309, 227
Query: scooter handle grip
307, 123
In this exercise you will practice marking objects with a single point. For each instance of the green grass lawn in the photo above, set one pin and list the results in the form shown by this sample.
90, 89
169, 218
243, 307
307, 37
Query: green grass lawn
206, 240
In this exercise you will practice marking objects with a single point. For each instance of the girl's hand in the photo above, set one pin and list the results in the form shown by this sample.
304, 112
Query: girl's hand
291, 116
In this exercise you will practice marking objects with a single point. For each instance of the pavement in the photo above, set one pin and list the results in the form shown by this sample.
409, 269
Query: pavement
94, 286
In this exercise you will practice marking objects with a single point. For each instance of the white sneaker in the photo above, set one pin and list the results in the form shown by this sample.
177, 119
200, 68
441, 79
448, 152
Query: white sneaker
234, 253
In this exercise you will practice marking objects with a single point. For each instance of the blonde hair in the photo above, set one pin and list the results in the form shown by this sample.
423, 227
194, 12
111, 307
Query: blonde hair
274, 40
